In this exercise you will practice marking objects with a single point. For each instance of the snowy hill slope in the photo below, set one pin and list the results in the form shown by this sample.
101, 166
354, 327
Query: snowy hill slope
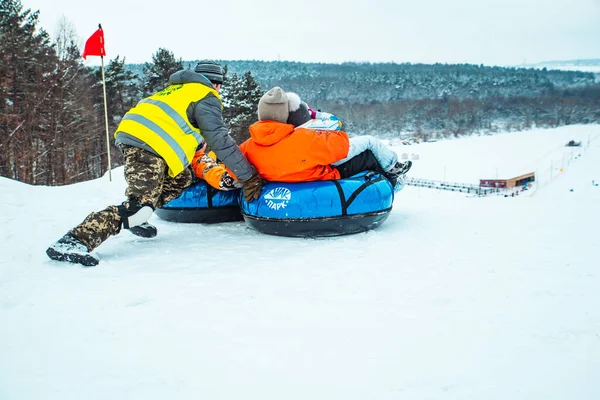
592, 65
453, 297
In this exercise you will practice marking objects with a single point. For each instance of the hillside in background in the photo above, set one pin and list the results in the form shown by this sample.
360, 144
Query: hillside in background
432, 100
350, 83
589, 65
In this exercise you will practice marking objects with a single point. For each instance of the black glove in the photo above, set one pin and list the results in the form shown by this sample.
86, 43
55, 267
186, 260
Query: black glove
252, 188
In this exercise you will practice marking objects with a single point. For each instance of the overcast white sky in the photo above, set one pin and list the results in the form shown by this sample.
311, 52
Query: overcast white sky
490, 32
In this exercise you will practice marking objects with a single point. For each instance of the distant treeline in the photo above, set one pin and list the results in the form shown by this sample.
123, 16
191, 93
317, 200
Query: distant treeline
390, 100
52, 128
435, 100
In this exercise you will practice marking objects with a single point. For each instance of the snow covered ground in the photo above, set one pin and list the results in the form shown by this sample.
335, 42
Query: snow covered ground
453, 297
583, 68
565, 66
503, 155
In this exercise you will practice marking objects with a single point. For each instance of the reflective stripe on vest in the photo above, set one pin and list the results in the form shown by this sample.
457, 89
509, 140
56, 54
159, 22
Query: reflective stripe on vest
176, 117
140, 119
161, 122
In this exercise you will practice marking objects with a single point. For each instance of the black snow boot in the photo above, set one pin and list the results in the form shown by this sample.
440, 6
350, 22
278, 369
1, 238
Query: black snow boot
144, 230
70, 249
400, 168
396, 175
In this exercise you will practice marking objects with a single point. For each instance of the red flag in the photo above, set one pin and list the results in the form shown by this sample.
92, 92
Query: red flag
95, 44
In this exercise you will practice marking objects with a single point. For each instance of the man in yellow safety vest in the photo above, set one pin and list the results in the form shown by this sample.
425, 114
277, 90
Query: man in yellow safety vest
158, 138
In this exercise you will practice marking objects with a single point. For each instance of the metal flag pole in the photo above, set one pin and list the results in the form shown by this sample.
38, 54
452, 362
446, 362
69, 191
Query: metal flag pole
106, 116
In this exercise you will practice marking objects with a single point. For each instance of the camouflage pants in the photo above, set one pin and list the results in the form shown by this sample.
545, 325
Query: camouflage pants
148, 182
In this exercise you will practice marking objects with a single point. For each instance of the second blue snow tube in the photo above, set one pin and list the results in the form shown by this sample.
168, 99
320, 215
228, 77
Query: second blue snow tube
321, 208
204, 204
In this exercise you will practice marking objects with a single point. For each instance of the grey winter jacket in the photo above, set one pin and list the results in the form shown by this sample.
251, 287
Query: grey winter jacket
206, 115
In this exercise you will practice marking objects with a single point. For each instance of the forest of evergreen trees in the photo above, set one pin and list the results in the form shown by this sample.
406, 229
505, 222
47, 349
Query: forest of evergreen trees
391, 100
52, 129
52, 126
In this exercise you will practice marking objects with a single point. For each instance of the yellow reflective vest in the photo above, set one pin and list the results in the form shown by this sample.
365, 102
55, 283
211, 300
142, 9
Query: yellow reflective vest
161, 122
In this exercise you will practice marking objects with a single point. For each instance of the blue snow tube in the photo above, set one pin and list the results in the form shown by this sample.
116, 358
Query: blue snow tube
201, 203
321, 208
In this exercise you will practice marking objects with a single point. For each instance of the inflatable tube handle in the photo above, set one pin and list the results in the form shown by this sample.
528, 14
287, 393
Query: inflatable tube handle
369, 175
211, 192
346, 203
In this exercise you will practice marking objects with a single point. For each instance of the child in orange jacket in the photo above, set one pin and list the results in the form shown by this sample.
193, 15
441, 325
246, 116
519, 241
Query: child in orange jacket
284, 147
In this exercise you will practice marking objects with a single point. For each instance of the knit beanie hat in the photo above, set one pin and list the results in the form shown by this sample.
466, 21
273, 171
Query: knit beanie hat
299, 111
273, 106
211, 70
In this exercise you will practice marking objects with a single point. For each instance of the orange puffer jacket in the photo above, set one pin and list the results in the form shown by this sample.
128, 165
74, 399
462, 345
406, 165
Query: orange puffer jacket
281, 153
